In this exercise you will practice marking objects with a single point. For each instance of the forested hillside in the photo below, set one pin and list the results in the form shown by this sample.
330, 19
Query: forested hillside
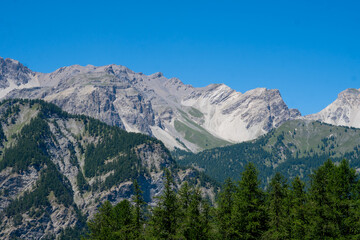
57, 168
327, 209
294, 149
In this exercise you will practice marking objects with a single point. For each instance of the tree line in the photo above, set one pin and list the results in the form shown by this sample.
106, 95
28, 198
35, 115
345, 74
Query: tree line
327, 207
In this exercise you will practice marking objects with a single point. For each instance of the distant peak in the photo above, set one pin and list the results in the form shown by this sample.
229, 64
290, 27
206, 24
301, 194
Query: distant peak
175, 80
157, 75
218, 86
9, 60
12, 61
256, 91
350, 92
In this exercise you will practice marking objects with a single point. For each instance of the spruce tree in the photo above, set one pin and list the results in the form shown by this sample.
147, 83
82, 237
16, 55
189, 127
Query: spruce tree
323, 219
298, 212
248, 214
346, 195
224, 212
100, 225
138, 216
277, 209
112, 223
123, 221
184, 196
194, 219
164, 221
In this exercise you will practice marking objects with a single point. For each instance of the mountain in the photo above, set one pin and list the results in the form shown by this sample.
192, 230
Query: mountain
14, 75
57, 168
295, 148
180, 115
344, 111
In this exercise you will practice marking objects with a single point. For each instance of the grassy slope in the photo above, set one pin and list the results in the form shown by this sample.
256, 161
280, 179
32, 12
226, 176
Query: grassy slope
295, 148
304, 136
194, 133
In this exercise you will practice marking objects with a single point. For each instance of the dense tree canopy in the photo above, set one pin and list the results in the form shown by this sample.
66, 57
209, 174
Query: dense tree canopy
327, 209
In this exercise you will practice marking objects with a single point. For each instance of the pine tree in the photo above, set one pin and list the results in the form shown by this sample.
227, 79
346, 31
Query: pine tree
278, 206
100, 225
298, 212
194, 219
248, 214
123, 221
323, 219
346, 197
184, 197
139, 204
224, 212
164, 221
112, 222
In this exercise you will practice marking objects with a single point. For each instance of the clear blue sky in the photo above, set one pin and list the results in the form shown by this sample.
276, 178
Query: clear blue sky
309, 50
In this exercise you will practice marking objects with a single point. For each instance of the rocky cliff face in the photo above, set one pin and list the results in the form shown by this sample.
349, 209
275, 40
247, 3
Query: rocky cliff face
14, 75
179, 115
344, 111
56, 169
238, 117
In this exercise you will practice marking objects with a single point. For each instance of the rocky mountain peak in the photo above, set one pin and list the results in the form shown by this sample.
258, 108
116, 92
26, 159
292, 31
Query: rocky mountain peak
168, 109
350, 94
344, 111
12, 71
156, 75
15, 75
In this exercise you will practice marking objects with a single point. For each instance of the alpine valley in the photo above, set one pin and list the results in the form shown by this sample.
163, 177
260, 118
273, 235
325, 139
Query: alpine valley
78, 136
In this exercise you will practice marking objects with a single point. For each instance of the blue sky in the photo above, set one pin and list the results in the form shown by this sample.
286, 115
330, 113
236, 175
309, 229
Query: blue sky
309, 50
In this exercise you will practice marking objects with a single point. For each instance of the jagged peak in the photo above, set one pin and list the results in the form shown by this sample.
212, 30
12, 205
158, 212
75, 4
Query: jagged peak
218, 87
12, 61
256, 91
261, 91
176, 80
92, 68
349, 92
156, 75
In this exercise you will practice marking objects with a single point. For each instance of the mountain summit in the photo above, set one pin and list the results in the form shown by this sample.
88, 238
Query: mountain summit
344, 111
178, 114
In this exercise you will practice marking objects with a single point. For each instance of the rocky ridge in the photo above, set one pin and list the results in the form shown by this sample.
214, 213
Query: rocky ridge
344, 111
180, 115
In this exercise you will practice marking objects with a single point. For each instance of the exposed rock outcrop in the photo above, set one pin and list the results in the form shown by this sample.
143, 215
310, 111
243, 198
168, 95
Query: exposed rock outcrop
165, 108
344, 111
71, 165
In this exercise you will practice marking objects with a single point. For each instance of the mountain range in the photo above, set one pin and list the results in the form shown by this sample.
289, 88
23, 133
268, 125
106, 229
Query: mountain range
58, 163
182, 116
179, 115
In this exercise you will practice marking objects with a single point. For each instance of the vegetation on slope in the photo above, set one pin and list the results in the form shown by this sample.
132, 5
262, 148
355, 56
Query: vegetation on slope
328, 209
60, 154
196, 134
199, 136
295, 148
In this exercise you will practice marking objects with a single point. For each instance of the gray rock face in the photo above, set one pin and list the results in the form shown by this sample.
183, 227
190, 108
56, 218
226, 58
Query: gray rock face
66, 147
344, 111
158, 106
11, 71
239, 117
14, 75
